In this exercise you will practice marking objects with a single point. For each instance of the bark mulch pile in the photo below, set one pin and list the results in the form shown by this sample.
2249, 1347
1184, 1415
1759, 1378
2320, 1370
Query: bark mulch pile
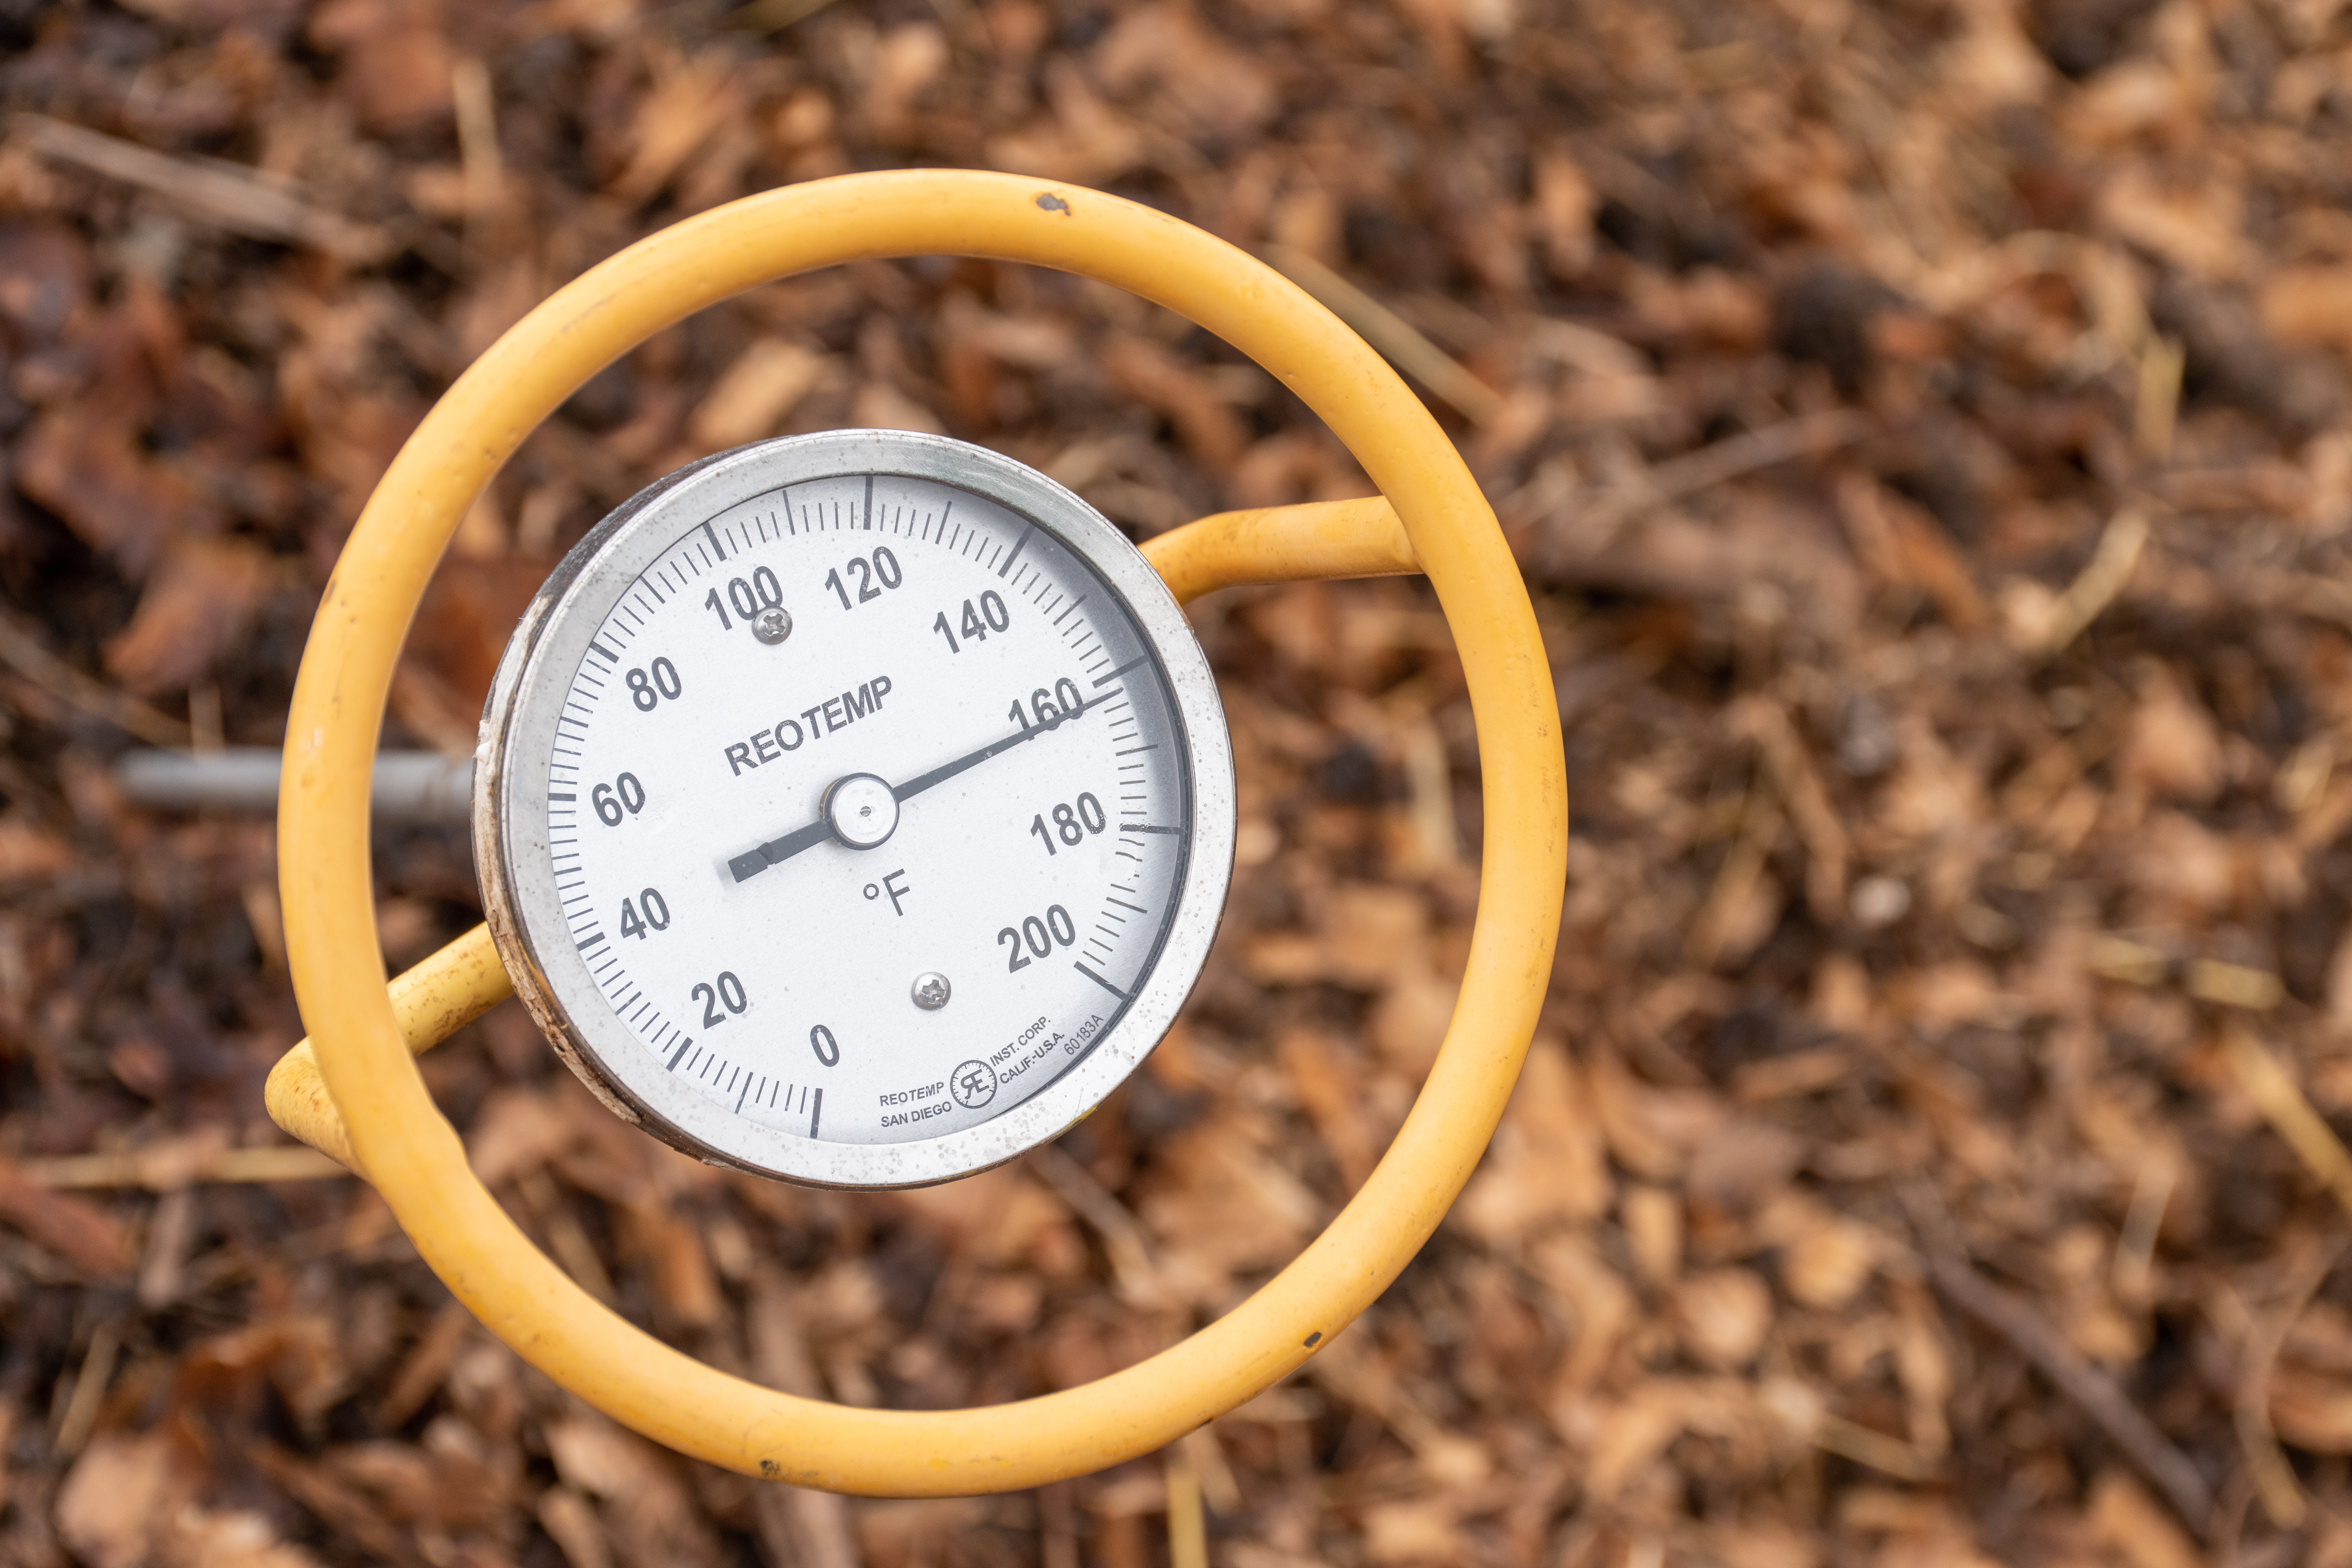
1924, 429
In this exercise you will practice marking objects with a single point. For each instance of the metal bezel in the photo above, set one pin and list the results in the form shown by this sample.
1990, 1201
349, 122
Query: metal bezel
511, 853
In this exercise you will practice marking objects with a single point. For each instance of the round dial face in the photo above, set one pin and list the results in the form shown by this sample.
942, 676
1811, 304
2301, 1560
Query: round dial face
855, 808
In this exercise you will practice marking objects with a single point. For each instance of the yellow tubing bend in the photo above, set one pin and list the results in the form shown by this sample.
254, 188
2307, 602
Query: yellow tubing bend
429, 1004
402, 1143
1282, 544
1271, 544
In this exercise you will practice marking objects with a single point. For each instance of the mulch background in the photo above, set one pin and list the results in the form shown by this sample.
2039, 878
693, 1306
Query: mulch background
1924, 429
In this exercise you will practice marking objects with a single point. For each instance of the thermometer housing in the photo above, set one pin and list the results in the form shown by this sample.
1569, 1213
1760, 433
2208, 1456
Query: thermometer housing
855, 809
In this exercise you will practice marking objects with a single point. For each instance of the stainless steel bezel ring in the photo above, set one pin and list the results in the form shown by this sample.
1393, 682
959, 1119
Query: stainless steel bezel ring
512, 856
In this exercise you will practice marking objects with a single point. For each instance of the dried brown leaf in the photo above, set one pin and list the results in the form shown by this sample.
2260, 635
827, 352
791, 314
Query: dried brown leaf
119, 501
84, 1234
197, 604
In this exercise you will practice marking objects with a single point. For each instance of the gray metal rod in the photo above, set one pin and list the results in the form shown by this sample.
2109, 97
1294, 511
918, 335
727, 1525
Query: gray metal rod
409, 787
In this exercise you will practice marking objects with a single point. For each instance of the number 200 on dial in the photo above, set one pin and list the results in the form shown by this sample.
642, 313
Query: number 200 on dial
855, 808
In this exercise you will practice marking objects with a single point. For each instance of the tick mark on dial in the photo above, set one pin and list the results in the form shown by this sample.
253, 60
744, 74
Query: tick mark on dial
1122, 669
1099, 981
1018, 545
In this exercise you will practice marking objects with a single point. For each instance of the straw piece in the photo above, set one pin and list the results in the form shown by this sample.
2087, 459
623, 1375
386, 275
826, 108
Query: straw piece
2273, 1477
2041, 627
235, 198
1188, 1526
2091, 1390
2282, 1105
22, 650
1399, 341
168, 1168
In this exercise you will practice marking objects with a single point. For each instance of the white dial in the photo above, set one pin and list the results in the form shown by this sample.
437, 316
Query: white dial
856, 809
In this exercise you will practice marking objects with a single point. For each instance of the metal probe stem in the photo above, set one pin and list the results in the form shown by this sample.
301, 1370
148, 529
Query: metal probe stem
408, 787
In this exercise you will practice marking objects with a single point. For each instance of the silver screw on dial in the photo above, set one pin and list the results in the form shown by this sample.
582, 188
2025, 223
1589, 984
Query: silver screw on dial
931, 991
771, 625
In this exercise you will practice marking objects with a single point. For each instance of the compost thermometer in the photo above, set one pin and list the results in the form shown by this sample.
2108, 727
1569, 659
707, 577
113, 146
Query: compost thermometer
855, 808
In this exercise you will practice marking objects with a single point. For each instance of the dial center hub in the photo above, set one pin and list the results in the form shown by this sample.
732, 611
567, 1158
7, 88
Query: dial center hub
862, 810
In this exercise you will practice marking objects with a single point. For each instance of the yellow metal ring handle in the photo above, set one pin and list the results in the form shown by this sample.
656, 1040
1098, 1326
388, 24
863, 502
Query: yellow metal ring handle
413, 1157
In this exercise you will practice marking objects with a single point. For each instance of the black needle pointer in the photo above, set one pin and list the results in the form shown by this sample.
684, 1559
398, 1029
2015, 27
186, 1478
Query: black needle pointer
776, 851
